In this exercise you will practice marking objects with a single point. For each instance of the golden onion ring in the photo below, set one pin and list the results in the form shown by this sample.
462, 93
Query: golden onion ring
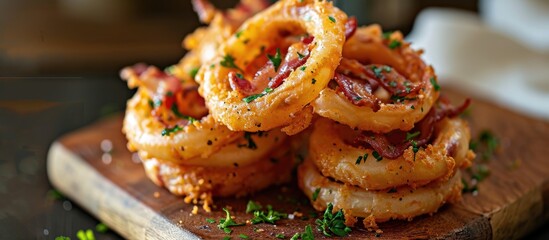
275, 109
366, 45
376, 206
200, 184
200, 139
337, 159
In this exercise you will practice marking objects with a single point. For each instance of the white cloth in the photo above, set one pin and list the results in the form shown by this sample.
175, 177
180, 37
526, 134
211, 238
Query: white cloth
469, 55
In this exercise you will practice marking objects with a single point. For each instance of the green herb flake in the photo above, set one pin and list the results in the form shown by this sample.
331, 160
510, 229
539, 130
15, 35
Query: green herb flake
332, 19
168, 131
242, 236
193, 72
250, 98
101, 228
387, 69
300, 56
276, 59
307, 235
270, 216
252, 206
413, 107
238, 34
387, 35
394, 44
226, 238
62, 238
227, 222
393, 84
209, 220
303, 68
377, 72
434, 83
333, 223
54, 194
410, 136
280, 236
315, 194
228, 62
85, 235
175, 110
376, 155
358, 160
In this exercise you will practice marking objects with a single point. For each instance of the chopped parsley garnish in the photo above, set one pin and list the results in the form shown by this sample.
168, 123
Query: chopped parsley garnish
62, 238
300, 56
393, 84
489, 142
227, 222
193, 72
332, 19
315, 194
467, 188
434, 83
101, 227
252, 206
387, 35
242, 236
250, 98
415, 148
251, 144
387, 69
168, 131
226, 238
238, 34
269, 216
394, 44
360, 158
54, 194
480, 172
85, 235
280, 236
209, 220
399, 99
377, 72
333, 223
307, 235
228, 62
376, 155
313, 81
276, 59
303, 68
410, 136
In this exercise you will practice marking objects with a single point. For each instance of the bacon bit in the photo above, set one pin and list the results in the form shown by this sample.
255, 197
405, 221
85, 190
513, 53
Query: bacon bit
285, 70
307, 39
357, 92
241, 85
393, 144
156, 194
350, 27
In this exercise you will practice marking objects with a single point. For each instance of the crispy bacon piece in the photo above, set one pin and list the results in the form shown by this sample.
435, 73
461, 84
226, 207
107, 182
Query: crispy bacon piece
240, 84
350, 27
356, 91
393, 144
285, 70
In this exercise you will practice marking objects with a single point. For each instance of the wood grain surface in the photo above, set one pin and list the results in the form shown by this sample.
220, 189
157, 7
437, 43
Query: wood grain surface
511, 202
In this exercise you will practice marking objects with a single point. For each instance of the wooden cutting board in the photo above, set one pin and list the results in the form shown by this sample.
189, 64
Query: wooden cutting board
511, 202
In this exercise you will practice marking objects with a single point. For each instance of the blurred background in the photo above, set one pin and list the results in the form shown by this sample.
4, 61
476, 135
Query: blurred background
59, 63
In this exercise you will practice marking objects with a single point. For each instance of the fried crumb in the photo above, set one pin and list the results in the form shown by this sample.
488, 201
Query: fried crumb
195, 210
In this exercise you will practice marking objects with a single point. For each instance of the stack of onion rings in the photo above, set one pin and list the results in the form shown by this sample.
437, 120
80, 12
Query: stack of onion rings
182, 146
384, 148
384, 145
